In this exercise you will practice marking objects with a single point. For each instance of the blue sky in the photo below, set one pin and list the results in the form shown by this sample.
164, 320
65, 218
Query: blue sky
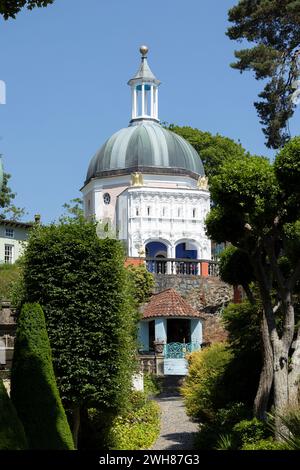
66, 69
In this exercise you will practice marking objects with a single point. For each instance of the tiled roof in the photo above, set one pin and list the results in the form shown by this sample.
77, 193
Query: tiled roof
169, 303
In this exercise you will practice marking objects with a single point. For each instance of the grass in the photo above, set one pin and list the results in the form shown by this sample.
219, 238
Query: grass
9, 274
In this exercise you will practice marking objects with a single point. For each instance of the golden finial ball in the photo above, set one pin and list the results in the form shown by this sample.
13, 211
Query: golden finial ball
143, 50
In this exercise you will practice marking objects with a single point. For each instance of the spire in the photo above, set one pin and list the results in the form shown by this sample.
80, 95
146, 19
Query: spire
144, 88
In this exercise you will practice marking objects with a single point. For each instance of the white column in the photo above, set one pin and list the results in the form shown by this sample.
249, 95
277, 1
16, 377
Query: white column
152, 102
196, 331
155, 103
143, 99
161, 329
134, 110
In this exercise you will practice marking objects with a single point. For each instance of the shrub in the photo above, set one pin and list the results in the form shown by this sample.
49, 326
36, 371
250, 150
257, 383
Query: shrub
290, 434
202, 388
134, 429
12, 436
242, 321
33, 387
249, 432
264, 444
217, 434
152, 384
141, 282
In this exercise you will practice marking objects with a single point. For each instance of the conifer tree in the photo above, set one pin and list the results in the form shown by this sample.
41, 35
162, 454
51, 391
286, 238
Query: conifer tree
33, 386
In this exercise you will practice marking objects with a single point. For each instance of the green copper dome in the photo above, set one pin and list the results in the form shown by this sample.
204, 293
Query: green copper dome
147, 147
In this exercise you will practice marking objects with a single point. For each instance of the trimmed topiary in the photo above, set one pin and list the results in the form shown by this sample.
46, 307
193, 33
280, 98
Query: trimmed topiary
33, 386
12, 436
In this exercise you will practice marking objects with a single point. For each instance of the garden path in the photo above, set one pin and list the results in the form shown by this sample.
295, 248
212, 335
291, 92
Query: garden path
177, 430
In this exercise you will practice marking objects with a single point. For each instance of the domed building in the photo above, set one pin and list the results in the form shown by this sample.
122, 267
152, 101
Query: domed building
149, 184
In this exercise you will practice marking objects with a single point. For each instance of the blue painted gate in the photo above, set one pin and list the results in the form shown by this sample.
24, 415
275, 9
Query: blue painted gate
175, 362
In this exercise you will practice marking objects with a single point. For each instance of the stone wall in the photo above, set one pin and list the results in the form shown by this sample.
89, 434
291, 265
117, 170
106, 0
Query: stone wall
208, 295
7, 332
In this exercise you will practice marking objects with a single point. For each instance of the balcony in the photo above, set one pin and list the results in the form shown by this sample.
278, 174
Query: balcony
180, 266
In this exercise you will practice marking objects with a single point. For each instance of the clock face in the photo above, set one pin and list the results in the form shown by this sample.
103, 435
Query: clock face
106, 198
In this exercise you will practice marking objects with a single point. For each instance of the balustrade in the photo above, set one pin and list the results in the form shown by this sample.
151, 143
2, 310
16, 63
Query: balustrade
192, 267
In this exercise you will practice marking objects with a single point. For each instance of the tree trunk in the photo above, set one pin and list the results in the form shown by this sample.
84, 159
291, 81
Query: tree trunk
266, 375
281, 389
76, 425
294, 375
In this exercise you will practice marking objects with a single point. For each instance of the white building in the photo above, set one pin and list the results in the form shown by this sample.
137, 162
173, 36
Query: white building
150, 184
13, 235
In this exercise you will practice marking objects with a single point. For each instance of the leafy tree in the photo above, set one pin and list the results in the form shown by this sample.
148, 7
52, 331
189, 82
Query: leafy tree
73, 210
213, 149
81, 283
257, 210
235, 269
274, 28
33, 387
12, 436
7, 208
141, 281
10, 8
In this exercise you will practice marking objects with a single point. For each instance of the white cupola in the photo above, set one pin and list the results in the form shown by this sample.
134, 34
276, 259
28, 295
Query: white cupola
144, 88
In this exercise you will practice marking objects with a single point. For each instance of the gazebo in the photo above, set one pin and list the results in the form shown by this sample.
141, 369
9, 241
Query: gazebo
172, 326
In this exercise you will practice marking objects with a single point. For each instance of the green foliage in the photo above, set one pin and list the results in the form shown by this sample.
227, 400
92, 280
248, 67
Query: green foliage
287, 170
82, 285
290, 432
152, 384
9, 275
9, 8
213, 149
73, 210
217, 434
235, 267
273, 28
33, 387
12, 436
142, 283
7, 209
203, 389
264, 444
248, 432
137, 428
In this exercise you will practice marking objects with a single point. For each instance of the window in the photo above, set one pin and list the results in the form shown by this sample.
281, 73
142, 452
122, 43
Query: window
194, 213
137, 211
179, 212
8, 254
164, 211
148, 210
9, 232
106, 198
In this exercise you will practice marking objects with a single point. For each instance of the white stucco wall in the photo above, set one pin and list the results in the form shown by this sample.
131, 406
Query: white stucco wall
168, 208
18, 241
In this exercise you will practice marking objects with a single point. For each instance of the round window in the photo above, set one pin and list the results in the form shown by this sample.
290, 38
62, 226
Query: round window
106, 198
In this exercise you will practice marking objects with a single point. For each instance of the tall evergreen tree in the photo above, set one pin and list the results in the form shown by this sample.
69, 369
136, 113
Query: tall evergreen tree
33, 386
274, 28
82, 285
